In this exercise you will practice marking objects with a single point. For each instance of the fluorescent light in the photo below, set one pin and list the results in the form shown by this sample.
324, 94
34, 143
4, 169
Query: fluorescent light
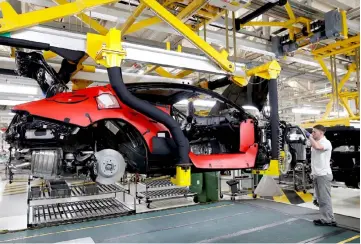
342, 113
198, 102
322, 91
305, 111
355, 123
204, 103
11, 102
30, 90
182, 102
247, 107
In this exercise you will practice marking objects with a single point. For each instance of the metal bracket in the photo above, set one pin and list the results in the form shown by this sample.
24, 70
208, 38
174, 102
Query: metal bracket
106, 50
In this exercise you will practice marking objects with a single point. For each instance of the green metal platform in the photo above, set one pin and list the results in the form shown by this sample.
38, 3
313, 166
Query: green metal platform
256, 221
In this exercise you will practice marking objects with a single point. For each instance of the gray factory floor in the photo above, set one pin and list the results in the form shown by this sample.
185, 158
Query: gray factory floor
256, 221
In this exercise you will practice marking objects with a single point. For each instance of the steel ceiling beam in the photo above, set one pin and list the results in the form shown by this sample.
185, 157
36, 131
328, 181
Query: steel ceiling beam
216, 37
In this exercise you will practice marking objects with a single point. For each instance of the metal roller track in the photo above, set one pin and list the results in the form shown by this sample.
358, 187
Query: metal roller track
76, 191
166, 193
70, 212
158, 183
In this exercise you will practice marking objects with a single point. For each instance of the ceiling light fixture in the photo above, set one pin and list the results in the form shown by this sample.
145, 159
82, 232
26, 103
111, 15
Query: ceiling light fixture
323, 91
11, 102
248, 107
305, 111
29, 90
204, 103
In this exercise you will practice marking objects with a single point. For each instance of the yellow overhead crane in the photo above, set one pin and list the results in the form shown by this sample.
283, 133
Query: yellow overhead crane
12, 21
349, 47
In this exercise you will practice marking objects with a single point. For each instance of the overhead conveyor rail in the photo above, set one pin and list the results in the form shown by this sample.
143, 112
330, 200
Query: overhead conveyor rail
43, 192
135, 52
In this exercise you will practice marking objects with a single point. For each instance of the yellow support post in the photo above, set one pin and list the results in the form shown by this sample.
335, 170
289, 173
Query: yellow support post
146, 22
328, 109
162, 72
12, 21
183, 15
191, 8
143, 24
325, 69
150, 68
48, 55
357, 103
351, 68
273, 169
199, 26
167, 45
129, 22
220, 58
183, 176
88, 68
80, 84
183, 74
290, 11
93, 24
344, 102
344, 32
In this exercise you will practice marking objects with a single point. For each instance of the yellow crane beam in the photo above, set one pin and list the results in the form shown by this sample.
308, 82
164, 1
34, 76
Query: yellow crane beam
346, 47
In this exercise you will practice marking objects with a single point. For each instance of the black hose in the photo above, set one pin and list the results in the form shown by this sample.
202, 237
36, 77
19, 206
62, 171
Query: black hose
219, 83
116, 81
19, 43
273, 100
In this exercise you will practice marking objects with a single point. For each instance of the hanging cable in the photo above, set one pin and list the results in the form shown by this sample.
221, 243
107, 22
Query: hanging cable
227, 40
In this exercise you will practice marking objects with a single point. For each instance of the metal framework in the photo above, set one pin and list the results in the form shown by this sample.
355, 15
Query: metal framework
289, 24
12, 21
347, 47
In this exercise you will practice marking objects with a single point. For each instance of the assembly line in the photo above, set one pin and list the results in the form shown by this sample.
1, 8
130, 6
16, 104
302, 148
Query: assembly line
179, 121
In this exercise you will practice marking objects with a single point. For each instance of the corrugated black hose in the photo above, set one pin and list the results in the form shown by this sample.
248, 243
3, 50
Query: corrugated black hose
116, 81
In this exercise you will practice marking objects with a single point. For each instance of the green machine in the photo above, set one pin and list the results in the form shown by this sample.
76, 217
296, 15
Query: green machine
206, 186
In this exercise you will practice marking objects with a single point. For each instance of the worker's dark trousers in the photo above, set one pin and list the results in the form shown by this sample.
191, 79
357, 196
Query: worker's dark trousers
323, 192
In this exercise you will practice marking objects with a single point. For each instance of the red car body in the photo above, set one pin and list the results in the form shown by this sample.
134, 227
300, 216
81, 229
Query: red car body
81, 108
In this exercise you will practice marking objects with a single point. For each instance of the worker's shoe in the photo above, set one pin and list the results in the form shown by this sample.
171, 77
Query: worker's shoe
315, 202
322, 223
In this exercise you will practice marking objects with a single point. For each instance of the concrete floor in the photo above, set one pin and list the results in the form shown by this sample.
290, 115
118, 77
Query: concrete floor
226, 221
245, 220
345, 201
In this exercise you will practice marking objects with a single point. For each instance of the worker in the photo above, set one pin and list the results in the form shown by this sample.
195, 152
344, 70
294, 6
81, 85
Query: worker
322, 173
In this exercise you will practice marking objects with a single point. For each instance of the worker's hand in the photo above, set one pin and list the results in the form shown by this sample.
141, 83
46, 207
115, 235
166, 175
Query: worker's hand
307, 134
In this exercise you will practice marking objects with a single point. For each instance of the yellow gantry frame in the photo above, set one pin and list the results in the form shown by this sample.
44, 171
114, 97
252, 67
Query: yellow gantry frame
331, 122
12, 21
192, 8
287, 24
221, 58
346, 47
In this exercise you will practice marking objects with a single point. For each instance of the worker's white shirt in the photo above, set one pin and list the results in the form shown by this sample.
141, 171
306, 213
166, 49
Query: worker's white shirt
320, 159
